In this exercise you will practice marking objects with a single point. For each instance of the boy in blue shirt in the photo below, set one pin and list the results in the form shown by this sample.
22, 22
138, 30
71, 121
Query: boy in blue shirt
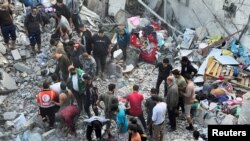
121, 122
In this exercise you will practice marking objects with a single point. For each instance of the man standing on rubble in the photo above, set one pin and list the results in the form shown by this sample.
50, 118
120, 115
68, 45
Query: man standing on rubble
7, 25
101, 49
63, 63
165, 69
88, 63
86, 38
74, 8
182, 84
149, 104
77, 85
45, 100
158, 118
63, 9
109, 100
76, 49
32, 25
122, 43
172, 102
134, 105
187, 67
188, 100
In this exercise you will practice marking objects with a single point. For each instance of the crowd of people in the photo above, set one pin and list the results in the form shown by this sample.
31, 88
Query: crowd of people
79, 63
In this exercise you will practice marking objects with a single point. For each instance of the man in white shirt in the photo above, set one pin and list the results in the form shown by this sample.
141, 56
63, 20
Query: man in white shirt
158, 118
55, 86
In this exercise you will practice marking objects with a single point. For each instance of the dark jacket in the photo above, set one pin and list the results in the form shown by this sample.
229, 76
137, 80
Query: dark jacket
101, 45
188, 69
32, 24
64, 10
75, 55
6, 17
164, 71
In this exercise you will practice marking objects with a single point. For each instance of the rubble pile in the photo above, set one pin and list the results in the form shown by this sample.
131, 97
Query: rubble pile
214, 57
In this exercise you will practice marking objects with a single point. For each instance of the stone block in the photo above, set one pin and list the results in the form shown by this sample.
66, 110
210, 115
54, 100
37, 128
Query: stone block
9, 115
16, 55
22, 67
7, 83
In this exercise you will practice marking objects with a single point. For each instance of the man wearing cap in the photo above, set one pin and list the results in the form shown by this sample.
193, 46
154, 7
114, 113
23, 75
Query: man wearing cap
32, 24
76, 85
7, 26
101, 49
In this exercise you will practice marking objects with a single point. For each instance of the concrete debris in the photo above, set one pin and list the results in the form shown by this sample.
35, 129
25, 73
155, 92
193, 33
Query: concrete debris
2, 48
244, 115
3, 60
22, 67
16, 55
7, 83
2, 98
9, 115
48, 134
20, 122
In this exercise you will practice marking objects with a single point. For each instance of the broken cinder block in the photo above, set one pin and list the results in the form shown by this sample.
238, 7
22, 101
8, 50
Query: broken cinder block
16, 55
22, 67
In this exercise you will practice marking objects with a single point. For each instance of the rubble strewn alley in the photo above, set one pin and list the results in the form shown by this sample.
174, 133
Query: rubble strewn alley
89, 44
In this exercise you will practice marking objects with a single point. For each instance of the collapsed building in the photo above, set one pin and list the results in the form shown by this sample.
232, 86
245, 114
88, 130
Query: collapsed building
213, 34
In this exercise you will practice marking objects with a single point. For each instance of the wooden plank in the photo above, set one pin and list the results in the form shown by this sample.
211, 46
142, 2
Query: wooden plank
215, 69
219, 71
210, 67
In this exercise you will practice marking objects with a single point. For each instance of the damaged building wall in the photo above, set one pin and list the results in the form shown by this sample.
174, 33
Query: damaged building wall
195, 13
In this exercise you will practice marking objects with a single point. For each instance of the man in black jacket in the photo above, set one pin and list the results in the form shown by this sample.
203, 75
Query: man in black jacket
63, 9
32, 24
86, 38
76, 49
164, 70
187, 67
101, 49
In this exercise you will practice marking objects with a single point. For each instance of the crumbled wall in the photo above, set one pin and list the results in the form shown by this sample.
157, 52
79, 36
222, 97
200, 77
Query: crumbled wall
185, 15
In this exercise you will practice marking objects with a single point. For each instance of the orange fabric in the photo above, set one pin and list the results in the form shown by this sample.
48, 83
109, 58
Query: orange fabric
136, 137
217, 92
44, 98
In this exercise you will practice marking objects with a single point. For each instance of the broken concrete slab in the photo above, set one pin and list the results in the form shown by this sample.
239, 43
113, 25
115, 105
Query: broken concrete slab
7, 83
48, 134
245, 112
115, 6
16, 55
23, 53
9, 115
20, 122
22, 67
2, 98
2, 48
